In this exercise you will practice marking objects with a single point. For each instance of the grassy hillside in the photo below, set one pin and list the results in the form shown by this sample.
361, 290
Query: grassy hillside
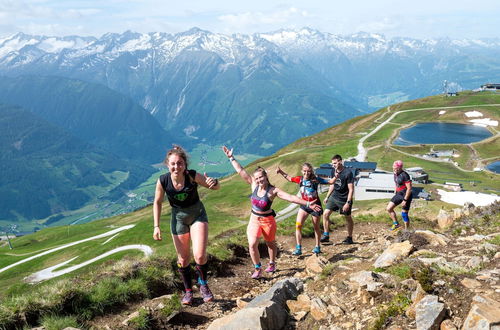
228, 208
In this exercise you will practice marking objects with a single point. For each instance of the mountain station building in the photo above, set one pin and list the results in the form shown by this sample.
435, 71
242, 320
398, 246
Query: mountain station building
371, 183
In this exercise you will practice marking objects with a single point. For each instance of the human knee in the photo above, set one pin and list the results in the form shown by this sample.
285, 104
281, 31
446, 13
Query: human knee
298, 226
182, 262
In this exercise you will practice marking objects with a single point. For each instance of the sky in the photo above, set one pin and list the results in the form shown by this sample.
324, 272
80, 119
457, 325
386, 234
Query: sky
393, 18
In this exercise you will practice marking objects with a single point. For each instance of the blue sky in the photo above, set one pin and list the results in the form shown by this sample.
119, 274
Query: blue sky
416, 19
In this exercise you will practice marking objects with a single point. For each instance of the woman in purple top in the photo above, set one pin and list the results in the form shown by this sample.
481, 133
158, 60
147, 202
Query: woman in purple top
262, 222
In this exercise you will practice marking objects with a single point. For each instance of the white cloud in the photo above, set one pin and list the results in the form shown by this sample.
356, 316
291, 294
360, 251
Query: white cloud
250, 20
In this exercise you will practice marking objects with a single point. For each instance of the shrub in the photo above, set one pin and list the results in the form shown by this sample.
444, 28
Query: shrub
53, 322
141, 321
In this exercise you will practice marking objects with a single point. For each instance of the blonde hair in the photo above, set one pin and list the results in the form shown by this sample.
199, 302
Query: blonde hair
264, 173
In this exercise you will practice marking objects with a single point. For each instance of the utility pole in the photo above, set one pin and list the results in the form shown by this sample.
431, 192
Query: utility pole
8, 239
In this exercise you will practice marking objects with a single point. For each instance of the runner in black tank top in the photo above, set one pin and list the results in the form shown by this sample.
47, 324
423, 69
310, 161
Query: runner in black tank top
262, 222
189, 220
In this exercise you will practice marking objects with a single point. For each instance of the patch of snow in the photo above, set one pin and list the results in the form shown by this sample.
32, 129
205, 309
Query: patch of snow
50, 272
442, 112
109, 233
462, 197
472, 114
484, 122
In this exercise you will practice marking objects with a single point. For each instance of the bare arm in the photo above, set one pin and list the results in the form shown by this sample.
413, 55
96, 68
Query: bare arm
294, 199
407, 194
330, 191
286, 176
239, 169
206, 181
158, 201
348, 204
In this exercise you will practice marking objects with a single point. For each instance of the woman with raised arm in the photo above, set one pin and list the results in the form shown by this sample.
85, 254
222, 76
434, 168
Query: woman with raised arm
309, 184
262, 222
189, 219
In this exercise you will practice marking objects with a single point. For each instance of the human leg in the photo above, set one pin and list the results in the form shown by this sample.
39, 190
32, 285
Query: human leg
392, 215
326, 225
181, 243
301, 217
253, 234
317, 233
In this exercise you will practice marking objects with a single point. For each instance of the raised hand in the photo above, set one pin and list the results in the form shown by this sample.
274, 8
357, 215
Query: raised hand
228, 152
211, 182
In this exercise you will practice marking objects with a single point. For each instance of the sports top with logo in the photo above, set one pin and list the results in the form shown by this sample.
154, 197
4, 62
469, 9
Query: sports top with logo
261, 204
341, 190
186, 205
185, 197
308, 188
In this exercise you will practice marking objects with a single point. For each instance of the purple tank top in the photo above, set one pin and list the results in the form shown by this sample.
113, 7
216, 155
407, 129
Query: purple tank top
261, 204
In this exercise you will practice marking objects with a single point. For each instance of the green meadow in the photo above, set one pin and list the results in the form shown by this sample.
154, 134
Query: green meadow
229, 208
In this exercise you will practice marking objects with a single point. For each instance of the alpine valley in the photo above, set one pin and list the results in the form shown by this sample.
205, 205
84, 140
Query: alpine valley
123, 99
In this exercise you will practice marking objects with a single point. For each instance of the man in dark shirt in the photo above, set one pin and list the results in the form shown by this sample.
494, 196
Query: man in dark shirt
339, 198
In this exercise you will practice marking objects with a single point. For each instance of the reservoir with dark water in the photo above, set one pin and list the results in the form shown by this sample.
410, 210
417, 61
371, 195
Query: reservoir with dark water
494, 167
441, 133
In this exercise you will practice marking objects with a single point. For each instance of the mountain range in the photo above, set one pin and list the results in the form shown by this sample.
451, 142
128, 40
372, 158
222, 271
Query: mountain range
123, 99
231, 89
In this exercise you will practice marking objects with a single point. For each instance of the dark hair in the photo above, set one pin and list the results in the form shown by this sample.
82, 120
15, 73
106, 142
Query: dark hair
337, 157
177, 150
313, 176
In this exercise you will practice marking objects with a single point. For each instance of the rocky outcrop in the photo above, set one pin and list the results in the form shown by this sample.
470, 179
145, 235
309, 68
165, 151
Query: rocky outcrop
429, 313
393, 253
267, 311
484, 314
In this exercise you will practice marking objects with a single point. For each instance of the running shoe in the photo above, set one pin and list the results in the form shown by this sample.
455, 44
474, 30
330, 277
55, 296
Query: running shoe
298, 250
206, 293
257, 273
188, 298
348, 240
316, 250
271, 268
325, 238
395, 226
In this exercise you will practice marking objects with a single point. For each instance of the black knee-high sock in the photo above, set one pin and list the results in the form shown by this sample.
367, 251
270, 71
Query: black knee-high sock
202, 273
186, 276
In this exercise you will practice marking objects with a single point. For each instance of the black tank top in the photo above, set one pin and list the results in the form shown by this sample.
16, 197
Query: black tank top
261, 204
185, 197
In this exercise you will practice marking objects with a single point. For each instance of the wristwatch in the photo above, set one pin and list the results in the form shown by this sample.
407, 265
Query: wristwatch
349, 202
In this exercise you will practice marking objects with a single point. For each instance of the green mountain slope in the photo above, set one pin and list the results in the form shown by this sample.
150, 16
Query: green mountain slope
229, 208
91, 112
45, 170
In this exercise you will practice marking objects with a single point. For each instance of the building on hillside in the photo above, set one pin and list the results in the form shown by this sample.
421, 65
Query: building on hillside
453, 186
418, 174
490, 87
325, 170
374, 185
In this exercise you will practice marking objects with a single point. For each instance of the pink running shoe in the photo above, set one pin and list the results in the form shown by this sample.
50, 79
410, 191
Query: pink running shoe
206, 293
271, 268
188, 298
257, 273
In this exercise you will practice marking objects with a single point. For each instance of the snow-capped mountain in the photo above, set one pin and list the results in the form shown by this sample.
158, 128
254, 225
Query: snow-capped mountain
257, 90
